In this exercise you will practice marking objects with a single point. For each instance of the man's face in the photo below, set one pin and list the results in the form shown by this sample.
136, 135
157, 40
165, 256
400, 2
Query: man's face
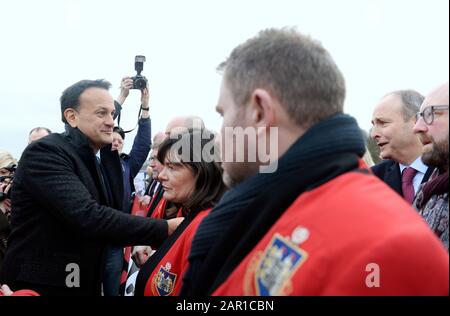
34, 136
395, 137
94, 117
233, 115
155, 164
435, 137
117, 143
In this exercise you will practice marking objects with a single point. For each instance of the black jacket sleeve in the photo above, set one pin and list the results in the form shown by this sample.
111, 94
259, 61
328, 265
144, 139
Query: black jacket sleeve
55, 183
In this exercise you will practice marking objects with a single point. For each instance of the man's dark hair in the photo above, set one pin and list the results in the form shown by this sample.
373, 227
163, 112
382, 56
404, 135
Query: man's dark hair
37, 129
71, 96
209, 185
119, 131
294, 68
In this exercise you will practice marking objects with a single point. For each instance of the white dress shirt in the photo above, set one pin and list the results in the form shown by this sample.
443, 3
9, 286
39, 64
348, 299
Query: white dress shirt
421, 170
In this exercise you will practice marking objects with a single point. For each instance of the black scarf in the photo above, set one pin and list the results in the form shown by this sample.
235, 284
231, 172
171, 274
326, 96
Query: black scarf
247, 212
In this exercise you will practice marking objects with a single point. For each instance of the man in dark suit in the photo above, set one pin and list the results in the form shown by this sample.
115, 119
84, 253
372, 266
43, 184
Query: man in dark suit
65, 200
392, 128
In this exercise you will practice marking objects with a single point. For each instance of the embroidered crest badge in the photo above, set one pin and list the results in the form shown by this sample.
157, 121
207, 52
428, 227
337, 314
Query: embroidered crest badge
164, 281
276, 266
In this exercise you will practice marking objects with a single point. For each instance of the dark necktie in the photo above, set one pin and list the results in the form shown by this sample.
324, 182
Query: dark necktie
407, 183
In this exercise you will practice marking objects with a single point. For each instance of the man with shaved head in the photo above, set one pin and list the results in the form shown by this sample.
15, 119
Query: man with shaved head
37, 133
432, 129
180, 123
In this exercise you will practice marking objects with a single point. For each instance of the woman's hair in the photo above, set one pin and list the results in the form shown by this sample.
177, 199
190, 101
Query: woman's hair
197, 150
6, 160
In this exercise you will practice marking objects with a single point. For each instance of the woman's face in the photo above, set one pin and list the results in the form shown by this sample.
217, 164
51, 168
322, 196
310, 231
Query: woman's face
5, 175
178, 181
4, 172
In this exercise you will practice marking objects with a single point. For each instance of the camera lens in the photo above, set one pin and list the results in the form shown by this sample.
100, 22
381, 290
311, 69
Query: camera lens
140, 84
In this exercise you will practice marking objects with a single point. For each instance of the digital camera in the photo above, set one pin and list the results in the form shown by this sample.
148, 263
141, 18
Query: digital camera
139, 81
4, 196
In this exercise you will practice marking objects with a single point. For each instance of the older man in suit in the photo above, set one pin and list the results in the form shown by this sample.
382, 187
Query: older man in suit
65, 200
392, 128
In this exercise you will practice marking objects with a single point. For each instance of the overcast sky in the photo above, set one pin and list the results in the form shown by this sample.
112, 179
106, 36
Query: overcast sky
47, 45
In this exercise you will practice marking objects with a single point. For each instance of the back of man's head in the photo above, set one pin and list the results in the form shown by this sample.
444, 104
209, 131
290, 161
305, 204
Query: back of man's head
70, 97
296, 69
37, 133
180, 124
119, 130
158, 139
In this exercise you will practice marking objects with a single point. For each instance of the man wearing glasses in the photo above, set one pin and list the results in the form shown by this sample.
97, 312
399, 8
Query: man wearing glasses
432, 129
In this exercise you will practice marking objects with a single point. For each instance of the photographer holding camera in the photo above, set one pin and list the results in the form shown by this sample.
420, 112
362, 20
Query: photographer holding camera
131, 164
7, 167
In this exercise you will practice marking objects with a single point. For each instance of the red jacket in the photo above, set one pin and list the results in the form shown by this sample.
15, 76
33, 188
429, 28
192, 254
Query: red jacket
166, 279
350, 236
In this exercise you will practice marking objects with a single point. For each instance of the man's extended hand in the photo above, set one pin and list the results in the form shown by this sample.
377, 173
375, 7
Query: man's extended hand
141, 254
5, 290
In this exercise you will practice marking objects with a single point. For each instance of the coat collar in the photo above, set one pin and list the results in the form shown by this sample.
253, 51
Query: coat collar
110, 161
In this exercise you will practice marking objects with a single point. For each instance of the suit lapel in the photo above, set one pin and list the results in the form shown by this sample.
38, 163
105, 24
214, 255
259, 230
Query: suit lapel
111, 164
394, 179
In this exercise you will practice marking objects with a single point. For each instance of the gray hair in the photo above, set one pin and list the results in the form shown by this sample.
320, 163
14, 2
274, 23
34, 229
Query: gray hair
411, 102
294, 68
37, 129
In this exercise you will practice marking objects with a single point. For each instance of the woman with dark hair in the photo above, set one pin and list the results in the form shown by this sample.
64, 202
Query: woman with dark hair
192, 181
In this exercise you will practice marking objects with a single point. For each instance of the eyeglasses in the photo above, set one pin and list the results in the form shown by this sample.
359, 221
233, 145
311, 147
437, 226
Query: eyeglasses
428, 113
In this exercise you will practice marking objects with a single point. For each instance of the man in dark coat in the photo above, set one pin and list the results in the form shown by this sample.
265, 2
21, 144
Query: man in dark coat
65, 201
393, 120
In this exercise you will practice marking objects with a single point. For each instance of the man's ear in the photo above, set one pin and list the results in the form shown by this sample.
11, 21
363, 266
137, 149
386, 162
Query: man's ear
262, 108
71, 117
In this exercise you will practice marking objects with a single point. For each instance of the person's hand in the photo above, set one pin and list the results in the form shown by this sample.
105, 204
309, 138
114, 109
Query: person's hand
145, 96
125, 85
173, 224
144, 201
141, 254
5, 205
5, 290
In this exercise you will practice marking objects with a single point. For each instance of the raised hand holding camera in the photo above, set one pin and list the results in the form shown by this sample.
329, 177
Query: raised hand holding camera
139, 81
125, 85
